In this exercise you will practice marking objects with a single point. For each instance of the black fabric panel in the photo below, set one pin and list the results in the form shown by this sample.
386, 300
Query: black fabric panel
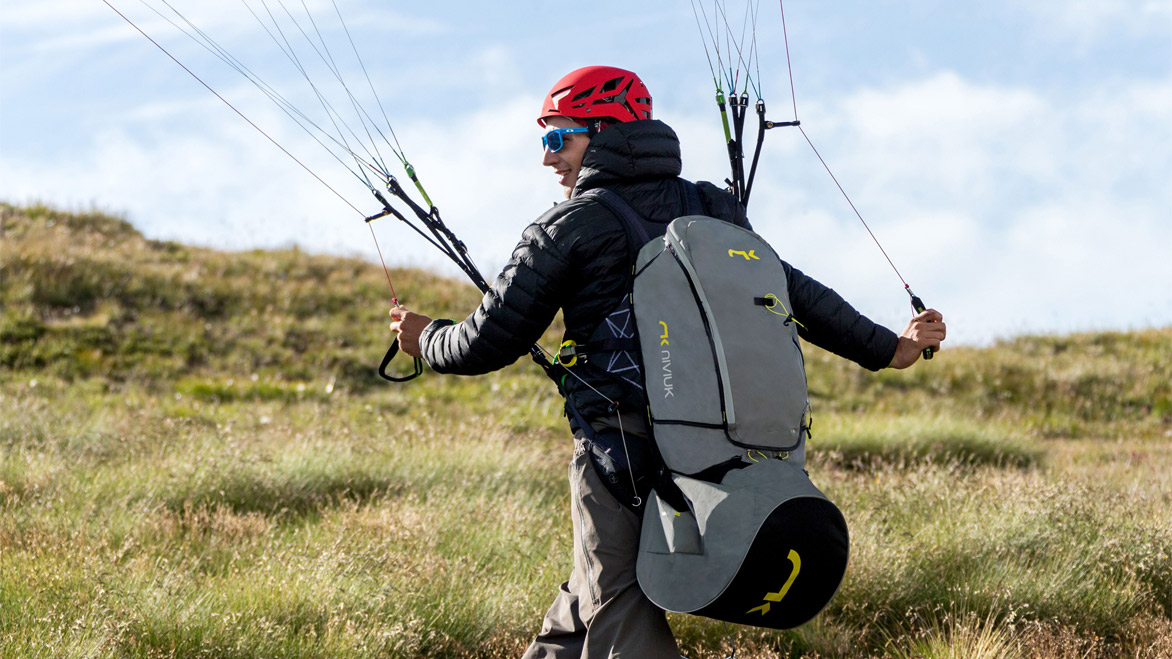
815, 531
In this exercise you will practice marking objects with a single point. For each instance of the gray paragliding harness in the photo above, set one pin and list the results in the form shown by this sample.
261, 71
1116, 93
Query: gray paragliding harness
733, 529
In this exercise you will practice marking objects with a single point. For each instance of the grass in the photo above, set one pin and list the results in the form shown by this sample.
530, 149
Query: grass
268, 538
195, 461
864, 441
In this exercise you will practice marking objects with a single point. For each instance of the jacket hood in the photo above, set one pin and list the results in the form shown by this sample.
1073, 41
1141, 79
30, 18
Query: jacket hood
630, 151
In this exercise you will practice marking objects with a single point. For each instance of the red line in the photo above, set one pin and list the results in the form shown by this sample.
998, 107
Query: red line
788, 65
394, 296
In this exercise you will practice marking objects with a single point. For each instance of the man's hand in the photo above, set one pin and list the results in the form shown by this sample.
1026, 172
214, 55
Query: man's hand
925, 330
408, 326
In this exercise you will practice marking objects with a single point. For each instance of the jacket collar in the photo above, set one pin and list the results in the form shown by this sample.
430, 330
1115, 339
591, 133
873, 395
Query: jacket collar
630, 151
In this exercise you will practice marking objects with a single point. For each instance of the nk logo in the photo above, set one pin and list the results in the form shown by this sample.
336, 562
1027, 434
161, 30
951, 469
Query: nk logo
665, 357
771, 598
749, 255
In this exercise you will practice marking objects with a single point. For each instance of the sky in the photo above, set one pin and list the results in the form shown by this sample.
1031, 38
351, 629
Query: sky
1014, 159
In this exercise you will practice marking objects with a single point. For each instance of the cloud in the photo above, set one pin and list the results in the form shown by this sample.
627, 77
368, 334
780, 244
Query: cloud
190, 171
1005, 207
70, 24
48, 15
1085, 22
82, 25
212, 182
360, 14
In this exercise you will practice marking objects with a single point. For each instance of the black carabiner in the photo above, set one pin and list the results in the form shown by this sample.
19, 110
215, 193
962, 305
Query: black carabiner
391, 352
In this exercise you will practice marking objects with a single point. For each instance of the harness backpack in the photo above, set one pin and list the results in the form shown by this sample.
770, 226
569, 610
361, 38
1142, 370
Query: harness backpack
734, 529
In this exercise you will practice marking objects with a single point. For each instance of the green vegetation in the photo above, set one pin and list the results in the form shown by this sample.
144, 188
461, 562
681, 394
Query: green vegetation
196, 460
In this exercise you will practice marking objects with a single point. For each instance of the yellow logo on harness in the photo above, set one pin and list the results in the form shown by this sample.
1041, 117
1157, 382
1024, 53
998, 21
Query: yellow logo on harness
779, 595
749, 255
664, 335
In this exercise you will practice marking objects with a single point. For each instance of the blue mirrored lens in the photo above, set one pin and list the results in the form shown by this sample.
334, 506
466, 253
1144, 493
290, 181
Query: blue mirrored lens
553, 141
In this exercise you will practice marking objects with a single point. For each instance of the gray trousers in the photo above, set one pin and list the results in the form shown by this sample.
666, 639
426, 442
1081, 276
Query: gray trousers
601, 613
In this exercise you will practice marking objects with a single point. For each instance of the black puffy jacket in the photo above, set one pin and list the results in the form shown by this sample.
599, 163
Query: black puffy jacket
576, 258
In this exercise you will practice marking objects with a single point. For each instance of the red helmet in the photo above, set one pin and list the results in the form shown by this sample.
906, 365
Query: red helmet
598, 92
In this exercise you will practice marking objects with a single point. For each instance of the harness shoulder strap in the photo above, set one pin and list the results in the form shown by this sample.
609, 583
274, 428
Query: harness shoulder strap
635, 224
619, 206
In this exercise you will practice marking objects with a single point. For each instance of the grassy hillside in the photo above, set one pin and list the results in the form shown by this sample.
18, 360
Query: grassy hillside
196, 459
86, 295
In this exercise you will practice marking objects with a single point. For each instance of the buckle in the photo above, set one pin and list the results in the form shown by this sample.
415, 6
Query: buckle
567, 353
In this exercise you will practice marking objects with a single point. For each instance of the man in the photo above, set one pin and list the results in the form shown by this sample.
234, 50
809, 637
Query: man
577, 257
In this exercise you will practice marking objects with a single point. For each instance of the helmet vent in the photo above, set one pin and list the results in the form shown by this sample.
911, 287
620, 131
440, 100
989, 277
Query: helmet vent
557, 97
644, 101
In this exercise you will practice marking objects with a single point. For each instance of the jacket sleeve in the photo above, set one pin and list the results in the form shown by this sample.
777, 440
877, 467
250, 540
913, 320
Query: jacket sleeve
830, 322
512, 316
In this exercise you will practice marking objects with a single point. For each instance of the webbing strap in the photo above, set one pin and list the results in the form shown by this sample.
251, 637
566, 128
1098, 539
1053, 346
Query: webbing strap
568, 352
636, 225
623, 210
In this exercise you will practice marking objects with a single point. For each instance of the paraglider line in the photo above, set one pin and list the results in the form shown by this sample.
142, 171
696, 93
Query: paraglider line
852, 205
208, 87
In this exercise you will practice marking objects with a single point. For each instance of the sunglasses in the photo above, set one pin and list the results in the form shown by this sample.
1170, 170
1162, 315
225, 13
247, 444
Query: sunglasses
554, 141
